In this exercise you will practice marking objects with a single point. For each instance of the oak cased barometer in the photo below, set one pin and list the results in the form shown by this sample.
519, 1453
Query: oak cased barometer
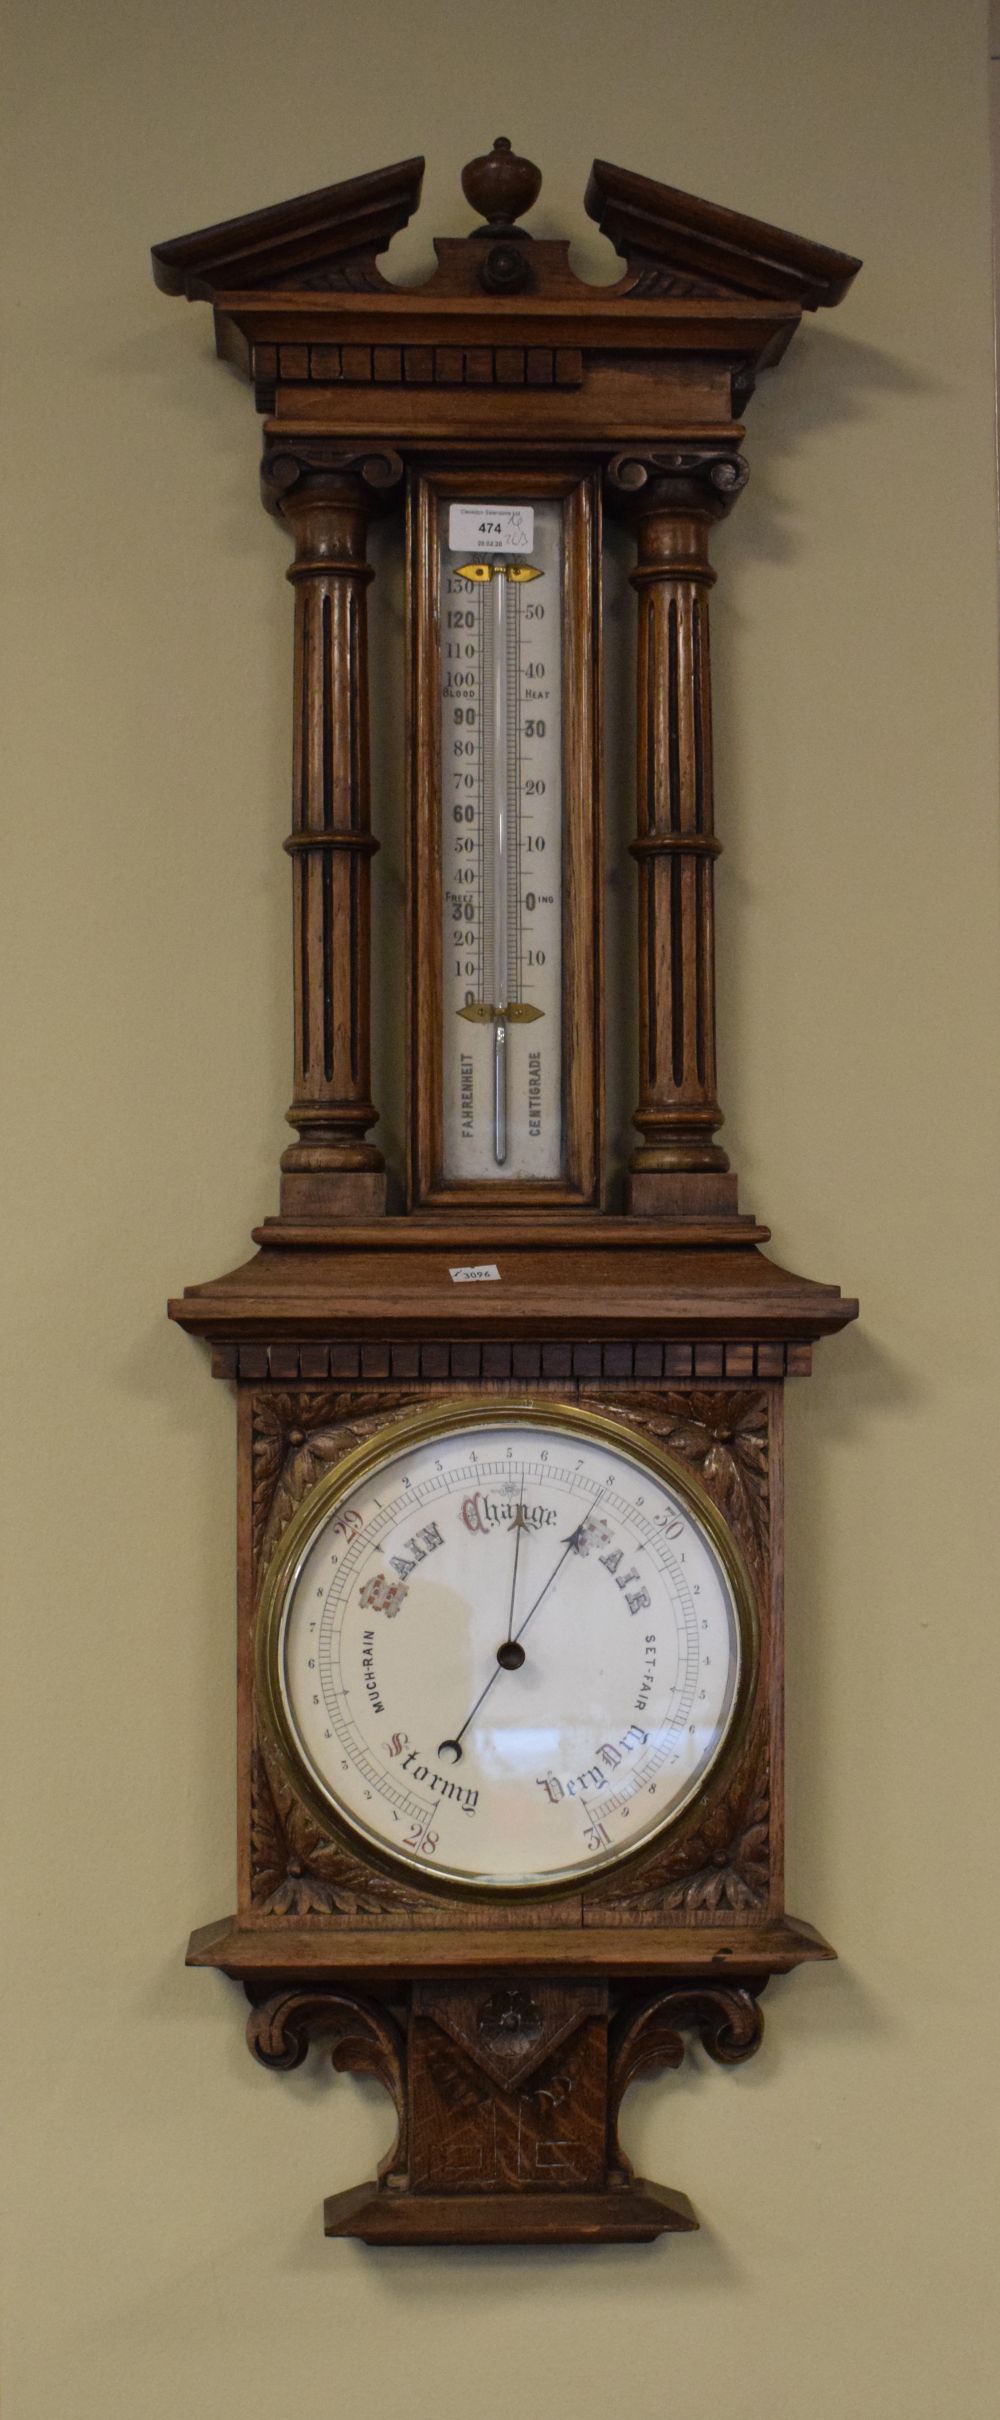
396, 1683
511, 1802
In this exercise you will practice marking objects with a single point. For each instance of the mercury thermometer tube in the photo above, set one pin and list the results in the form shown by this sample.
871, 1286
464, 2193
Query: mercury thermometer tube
499, 832
501, 753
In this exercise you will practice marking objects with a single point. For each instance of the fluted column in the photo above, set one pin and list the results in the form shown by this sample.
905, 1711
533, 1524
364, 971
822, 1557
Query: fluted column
673, 500
331, 1171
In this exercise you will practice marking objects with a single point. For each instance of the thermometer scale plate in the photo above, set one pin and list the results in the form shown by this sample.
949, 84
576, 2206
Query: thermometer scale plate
501, 842
506, 899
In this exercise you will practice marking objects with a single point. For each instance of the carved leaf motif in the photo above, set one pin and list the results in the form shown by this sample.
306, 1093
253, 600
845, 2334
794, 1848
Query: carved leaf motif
268, 1847
297, 1870
342, 277
298, 1437
724, 1863
723, 1436
651, 282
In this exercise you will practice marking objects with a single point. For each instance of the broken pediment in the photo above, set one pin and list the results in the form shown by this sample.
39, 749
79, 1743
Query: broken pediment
673, 244
322, 242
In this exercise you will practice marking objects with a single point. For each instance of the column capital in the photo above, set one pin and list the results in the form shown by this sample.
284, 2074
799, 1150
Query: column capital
701, 480
367, 475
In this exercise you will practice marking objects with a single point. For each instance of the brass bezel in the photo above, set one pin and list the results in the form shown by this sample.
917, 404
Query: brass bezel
443, 1419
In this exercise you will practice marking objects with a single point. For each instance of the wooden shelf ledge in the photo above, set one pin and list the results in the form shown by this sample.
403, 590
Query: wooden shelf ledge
261, 1955
561, 1288
635, 2212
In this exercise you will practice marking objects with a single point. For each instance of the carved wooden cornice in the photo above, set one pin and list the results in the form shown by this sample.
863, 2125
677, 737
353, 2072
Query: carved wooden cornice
303, 311
674, 243
326, 241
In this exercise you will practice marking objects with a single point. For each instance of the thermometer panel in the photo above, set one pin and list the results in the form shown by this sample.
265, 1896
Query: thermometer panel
501, 790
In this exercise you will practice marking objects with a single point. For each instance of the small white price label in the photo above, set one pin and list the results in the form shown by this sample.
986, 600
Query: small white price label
478, 1275
492, 529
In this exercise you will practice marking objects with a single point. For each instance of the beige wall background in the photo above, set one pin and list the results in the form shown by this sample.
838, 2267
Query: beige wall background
163, 2243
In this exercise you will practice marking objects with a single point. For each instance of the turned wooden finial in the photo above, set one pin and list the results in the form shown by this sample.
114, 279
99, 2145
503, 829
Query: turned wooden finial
501, 187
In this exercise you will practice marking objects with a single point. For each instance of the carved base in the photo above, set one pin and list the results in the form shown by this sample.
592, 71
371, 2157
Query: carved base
634, 2214
681, 1193
507, 2096
338, 1194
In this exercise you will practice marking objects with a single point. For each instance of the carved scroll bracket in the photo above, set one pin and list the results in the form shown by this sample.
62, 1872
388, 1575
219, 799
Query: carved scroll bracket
364, 2040
649, 2035
507, 2100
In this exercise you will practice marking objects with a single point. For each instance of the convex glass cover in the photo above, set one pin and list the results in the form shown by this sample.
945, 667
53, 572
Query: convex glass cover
506, 1644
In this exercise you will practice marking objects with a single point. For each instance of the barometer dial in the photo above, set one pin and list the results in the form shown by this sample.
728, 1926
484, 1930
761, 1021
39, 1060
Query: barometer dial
506, 1645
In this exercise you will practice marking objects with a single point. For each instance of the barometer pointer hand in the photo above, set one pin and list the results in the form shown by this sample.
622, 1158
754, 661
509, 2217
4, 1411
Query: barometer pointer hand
506, 1652
509, 1656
